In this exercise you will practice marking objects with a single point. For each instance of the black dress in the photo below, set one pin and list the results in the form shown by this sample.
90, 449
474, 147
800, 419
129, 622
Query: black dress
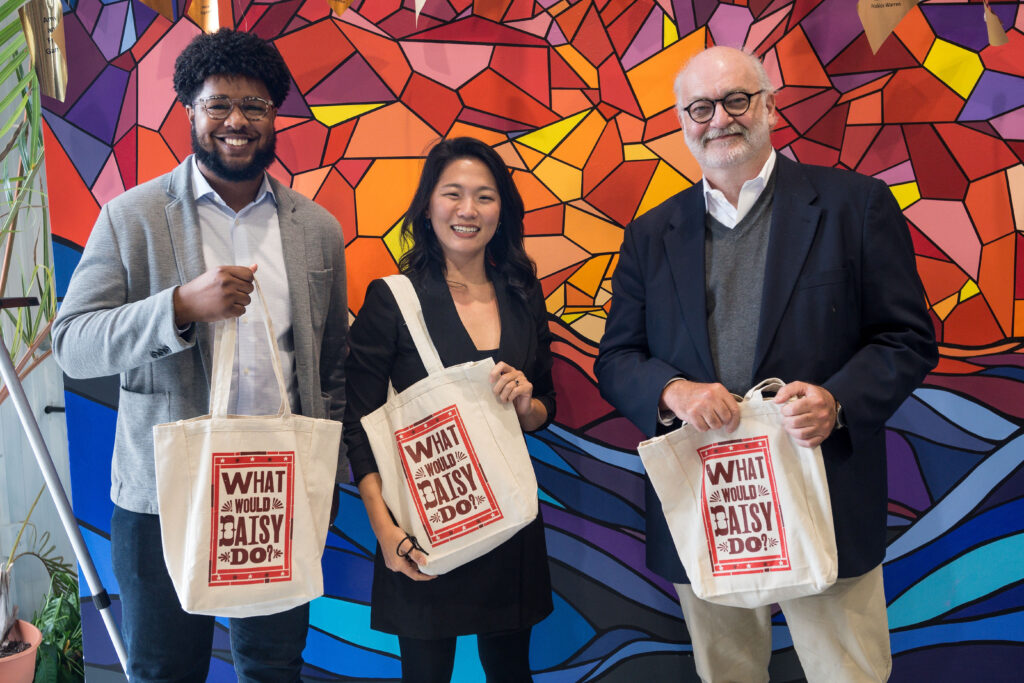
509, 588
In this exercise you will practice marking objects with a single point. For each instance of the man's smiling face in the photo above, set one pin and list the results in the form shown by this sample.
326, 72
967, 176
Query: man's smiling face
726, 141
234, 149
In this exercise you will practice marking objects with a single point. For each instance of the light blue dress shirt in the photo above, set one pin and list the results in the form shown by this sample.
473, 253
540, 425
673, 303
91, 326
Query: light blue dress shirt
253, 235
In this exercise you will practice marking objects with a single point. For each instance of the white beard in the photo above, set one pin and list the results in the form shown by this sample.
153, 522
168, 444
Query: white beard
753, 140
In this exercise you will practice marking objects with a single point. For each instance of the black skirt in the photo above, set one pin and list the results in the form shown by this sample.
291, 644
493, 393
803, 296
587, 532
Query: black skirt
507, 589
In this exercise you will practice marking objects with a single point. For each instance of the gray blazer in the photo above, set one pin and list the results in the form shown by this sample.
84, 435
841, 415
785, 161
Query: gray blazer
118, 317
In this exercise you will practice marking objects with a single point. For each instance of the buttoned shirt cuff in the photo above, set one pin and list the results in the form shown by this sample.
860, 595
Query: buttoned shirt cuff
667, 417
840, 416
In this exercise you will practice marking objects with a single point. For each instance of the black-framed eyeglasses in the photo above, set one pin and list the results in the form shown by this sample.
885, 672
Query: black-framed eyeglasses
219, 107
735, 104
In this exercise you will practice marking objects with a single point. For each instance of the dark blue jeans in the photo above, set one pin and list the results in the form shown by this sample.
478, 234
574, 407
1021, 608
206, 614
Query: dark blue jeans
167, 644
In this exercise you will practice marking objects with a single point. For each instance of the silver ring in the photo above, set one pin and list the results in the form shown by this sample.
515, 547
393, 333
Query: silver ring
517, 382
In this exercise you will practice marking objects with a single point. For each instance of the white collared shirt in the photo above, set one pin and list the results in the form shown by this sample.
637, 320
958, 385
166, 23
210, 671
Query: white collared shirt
253, 235
727, 214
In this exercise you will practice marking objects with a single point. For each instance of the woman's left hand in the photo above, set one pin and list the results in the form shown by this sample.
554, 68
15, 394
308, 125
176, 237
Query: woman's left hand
510, 384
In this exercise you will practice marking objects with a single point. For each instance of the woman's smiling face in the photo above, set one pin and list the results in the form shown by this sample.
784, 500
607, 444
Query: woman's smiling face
465, 209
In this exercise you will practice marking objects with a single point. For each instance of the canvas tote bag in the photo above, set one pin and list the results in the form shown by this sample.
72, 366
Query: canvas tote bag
749, 511
244, 501
453, 463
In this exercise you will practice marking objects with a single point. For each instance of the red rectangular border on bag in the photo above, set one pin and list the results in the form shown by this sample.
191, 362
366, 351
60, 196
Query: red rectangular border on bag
749, 564
239, 470
487, 507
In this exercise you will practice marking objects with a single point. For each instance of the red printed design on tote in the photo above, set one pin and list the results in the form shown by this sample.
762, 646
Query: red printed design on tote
251, 517
448, 486
742, 519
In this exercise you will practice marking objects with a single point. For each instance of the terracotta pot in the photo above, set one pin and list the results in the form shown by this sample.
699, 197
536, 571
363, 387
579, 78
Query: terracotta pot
21, 668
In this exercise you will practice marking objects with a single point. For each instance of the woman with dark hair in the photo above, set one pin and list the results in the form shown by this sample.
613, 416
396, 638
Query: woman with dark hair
480, 298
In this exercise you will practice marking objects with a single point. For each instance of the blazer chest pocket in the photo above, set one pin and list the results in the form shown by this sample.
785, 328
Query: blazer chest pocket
822, 278
824, 305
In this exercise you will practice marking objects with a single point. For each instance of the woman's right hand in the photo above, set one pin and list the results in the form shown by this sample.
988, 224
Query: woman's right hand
409, 562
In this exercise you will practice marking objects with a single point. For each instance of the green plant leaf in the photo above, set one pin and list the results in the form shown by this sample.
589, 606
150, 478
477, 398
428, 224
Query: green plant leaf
59, 620
18, 114
21, 142
16, 90
13, 29
46, 664
12, 55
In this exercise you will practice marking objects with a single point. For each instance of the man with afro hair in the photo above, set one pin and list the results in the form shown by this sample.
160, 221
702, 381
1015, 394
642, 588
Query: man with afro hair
164, 262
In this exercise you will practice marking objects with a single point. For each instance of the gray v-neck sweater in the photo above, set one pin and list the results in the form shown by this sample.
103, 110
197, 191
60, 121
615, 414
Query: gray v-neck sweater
734, 261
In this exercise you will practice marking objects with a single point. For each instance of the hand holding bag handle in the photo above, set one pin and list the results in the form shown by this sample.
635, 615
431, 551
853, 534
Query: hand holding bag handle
224, 357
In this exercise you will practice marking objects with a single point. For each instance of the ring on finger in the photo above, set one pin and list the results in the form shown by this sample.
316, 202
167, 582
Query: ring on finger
517, 382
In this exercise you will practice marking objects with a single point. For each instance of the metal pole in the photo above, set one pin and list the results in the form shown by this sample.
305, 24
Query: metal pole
60, 499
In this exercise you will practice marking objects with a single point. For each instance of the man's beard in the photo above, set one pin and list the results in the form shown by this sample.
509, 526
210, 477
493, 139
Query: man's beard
212, 161
754, 140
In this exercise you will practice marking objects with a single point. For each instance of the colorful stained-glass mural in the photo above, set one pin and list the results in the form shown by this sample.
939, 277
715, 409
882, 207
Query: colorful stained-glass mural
577, 98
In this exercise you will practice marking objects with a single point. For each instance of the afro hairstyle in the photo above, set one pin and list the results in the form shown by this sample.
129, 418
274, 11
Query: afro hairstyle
230, 53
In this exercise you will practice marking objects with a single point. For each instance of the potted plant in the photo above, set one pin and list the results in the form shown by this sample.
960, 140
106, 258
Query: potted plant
60, 623
20, 639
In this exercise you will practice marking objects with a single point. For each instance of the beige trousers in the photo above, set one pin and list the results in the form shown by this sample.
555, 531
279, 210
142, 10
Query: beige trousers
840, 635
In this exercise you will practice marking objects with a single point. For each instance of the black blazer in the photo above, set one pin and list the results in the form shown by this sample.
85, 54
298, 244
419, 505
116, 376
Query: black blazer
842, 307
382, 349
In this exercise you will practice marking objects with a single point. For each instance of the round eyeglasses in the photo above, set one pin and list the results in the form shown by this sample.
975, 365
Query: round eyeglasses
219, 107
735, 104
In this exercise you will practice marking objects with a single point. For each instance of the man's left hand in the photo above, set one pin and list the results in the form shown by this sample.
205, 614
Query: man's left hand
811, 417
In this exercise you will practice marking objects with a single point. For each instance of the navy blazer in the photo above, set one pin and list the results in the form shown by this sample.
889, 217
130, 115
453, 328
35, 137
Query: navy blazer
842, 307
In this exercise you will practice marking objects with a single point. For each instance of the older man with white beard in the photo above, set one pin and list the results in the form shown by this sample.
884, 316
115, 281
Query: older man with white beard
771, 268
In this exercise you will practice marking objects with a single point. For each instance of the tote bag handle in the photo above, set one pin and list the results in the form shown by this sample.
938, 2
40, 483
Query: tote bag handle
224, 359
772, 384
409, 307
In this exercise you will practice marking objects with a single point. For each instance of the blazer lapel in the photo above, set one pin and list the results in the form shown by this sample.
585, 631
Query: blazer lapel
794, 223
449, 334
512, 325
187, 242
446, 330
684, 245
296, 265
